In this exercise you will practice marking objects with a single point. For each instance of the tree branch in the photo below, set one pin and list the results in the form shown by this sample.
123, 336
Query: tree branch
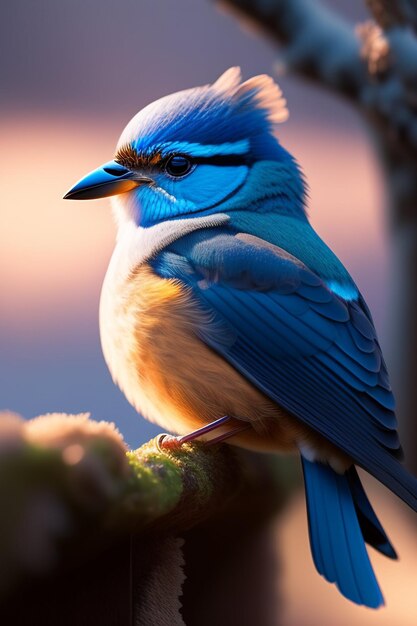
316, 42
390, 13
68, 485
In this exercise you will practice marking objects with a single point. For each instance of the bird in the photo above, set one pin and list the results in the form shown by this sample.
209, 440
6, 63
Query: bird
224, 312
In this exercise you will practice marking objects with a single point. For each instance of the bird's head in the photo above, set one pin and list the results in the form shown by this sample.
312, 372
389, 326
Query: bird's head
200, 151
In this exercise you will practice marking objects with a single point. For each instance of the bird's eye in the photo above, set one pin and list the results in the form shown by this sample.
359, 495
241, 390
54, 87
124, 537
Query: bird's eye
178, 165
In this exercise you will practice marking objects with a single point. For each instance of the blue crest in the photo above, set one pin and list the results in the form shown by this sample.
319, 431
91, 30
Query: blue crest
225, 129
228, 111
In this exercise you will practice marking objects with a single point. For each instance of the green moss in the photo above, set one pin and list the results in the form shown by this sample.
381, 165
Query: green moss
197, 468
155, 485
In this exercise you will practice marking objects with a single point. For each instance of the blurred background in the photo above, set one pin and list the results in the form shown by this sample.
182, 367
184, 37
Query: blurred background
72, 75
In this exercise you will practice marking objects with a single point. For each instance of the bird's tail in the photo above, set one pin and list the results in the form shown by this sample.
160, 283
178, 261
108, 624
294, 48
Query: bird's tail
341, 519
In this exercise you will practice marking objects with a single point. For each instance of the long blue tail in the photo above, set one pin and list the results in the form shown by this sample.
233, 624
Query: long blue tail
340, 520
371, 527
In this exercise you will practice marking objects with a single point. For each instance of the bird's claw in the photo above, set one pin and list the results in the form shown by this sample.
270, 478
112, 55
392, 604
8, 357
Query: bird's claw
171, 443
167, 442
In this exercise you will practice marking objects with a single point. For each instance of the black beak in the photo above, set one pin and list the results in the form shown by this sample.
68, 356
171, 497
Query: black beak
110, 179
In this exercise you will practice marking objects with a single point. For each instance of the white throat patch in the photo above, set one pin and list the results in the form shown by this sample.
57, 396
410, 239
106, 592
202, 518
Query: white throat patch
136, 245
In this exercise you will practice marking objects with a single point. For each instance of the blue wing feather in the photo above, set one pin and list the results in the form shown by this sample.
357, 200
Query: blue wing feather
308, 349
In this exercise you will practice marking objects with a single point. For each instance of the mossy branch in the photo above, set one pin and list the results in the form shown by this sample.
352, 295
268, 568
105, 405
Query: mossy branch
68, 486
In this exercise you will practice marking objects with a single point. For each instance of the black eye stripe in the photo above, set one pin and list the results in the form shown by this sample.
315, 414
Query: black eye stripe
222, 159
179, 165
219, 159
130, 158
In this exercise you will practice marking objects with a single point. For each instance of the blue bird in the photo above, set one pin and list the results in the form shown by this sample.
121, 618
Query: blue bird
222, 310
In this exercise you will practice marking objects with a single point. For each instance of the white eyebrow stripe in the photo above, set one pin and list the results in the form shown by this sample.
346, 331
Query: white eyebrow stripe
205, 150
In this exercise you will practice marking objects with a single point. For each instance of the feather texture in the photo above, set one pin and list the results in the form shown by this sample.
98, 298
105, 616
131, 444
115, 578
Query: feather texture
297, 348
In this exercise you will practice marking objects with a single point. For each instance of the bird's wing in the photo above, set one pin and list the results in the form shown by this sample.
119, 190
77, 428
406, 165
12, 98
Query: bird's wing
309, 350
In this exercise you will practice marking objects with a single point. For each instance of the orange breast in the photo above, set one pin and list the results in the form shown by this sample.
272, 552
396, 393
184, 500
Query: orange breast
176, 380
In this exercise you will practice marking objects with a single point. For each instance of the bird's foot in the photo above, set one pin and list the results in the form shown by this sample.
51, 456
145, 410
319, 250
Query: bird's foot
169, 442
